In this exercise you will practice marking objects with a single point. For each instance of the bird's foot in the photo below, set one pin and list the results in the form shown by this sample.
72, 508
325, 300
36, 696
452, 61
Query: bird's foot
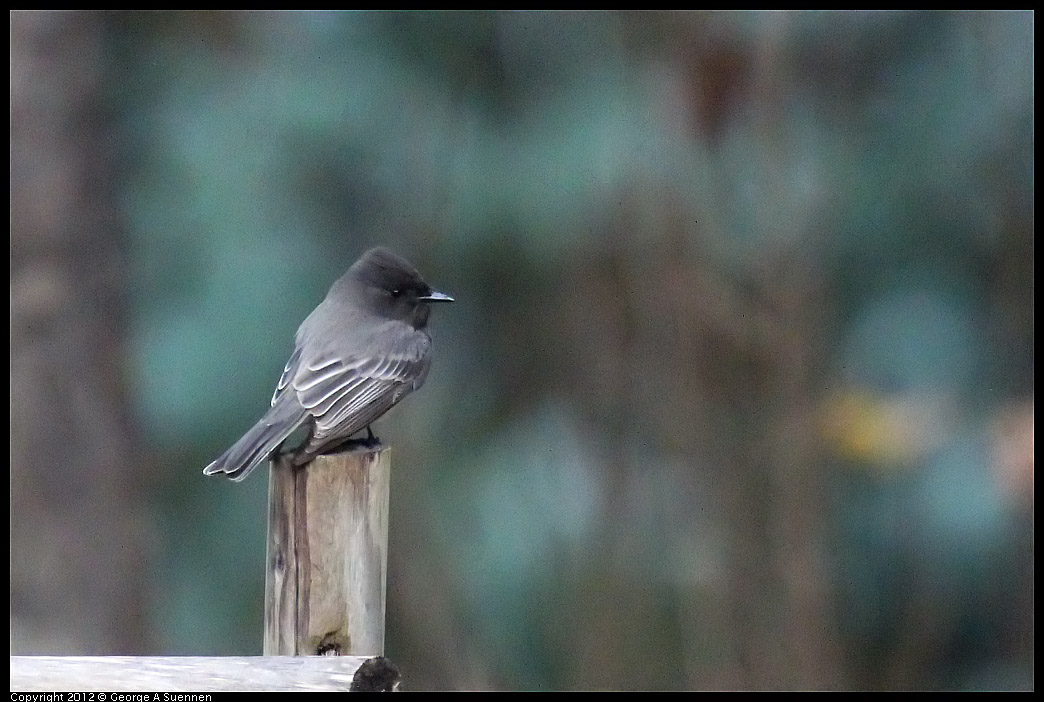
369, 442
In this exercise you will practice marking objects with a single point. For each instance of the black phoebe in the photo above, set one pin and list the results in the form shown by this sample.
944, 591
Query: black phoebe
359, 352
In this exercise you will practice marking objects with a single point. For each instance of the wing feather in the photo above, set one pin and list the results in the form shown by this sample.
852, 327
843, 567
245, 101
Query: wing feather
345, 394
289, 371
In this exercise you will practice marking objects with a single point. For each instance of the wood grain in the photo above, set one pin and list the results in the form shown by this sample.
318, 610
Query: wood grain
327, 555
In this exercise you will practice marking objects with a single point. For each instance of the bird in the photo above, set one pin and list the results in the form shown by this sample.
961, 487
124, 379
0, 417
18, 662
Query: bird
362, 350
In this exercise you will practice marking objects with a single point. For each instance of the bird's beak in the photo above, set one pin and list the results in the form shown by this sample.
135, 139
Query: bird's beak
436, 297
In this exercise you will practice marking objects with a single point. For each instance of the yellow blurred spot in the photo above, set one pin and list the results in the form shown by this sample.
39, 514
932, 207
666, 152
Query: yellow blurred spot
888, 431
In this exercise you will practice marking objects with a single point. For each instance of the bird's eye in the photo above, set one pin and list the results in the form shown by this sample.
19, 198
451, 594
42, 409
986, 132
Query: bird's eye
397, 292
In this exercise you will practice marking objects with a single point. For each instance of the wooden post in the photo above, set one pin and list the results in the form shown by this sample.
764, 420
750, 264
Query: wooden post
327, 555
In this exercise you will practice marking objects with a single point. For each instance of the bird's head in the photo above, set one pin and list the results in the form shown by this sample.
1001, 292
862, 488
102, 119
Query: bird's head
394, 287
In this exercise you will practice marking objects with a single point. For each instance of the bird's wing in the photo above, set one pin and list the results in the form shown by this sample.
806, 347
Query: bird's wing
289, 371
346, 394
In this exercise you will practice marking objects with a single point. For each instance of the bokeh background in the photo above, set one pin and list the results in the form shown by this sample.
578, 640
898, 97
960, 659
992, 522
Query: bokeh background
737, 393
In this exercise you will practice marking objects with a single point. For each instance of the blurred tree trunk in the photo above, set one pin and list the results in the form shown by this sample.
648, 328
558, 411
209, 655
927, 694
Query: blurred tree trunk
77, 575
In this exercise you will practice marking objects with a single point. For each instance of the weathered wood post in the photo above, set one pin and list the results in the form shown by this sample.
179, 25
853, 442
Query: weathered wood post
327, 555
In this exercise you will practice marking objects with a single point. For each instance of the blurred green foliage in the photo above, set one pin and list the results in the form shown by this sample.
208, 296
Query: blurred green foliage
681, 244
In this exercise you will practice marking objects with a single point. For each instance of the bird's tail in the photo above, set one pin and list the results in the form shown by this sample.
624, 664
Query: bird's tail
263, 438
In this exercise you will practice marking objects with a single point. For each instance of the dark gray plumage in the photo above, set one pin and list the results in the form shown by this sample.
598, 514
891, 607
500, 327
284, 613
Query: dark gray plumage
363, 349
